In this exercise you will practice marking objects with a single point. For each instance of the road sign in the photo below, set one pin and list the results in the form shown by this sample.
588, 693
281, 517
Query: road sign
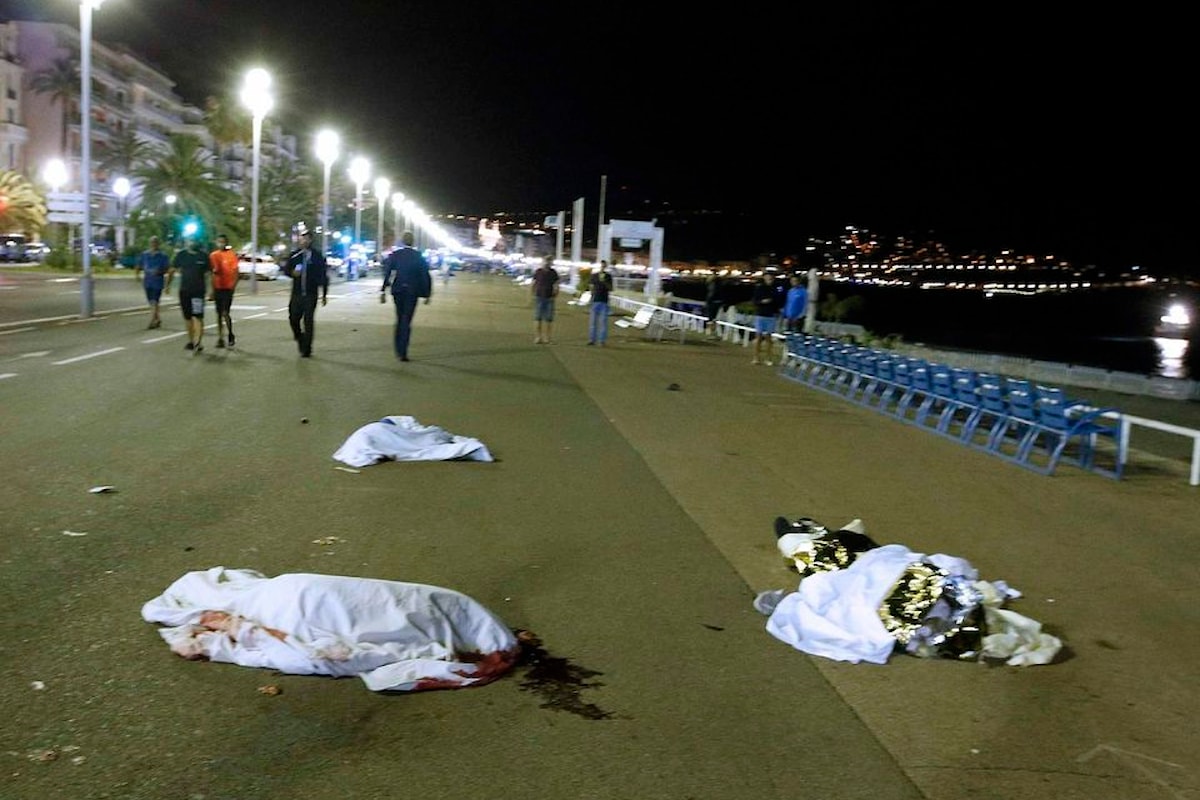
64, 202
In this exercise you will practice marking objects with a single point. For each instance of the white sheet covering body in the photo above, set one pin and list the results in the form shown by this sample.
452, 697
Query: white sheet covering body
395, 636
402, 438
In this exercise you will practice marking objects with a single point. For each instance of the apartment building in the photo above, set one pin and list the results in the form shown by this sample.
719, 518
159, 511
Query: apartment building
128, 94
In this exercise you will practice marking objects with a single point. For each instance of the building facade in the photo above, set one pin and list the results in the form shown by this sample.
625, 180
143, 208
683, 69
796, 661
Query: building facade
128, 94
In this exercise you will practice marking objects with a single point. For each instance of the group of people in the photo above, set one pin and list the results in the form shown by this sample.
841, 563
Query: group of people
213, 276
545, 291
769, 301
202, 276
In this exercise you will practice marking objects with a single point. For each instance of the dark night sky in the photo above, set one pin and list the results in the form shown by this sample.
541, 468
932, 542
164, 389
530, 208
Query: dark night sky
992, 125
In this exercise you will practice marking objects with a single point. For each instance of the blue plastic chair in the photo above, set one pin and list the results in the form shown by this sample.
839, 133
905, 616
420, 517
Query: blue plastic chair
1069, 434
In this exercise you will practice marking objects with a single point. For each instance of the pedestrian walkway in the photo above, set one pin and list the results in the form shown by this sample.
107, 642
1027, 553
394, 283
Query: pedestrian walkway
627, 520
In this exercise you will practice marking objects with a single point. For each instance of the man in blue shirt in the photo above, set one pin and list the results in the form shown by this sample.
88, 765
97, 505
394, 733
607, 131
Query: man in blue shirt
407, 272
152, 268
796, 307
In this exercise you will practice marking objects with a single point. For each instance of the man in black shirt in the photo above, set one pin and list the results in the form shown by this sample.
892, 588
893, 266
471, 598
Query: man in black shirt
193, 268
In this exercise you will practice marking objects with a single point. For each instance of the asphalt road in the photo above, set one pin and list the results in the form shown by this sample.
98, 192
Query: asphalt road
626, 524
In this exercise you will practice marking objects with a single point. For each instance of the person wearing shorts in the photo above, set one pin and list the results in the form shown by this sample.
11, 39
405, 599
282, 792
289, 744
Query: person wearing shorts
545, 289
224, 264
193, 268
152, 267
766, 318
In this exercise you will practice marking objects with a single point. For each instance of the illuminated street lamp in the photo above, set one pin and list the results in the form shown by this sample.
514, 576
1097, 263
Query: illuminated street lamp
327, 152
256, 97
397, 204
87, 289
382, 185
55, 176
360, 170
121, 189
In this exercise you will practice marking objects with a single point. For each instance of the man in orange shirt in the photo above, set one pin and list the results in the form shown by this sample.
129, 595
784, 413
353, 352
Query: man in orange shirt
224, 263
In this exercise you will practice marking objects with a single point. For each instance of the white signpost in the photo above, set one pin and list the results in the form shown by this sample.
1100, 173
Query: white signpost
65, 207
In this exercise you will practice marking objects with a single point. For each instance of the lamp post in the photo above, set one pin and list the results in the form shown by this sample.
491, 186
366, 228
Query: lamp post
327, 152
256, 97
55, 175
121, 190
397, 203
382, 185
87, 288
360, 170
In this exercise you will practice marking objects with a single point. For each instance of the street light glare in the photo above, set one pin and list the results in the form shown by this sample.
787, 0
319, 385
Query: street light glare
360, 170
55, 173
255, 92
381, 188
328, 143
121, 187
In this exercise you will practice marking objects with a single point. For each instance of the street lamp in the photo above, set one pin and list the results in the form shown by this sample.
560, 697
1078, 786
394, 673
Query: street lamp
121, 189
327, 152
397, 202
360, 170
87, 288
55, 175
256, 97
382, 185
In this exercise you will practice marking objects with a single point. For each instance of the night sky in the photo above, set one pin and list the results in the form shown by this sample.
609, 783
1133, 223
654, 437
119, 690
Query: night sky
987, 125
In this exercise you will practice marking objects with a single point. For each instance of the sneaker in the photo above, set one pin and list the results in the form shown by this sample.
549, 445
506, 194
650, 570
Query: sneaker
756, 362
769, 363
231, 340
197, 350
189, 346
220, 343
590, 344
537, 340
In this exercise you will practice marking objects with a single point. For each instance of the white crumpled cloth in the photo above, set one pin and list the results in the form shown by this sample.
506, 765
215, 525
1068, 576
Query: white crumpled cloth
835, 614
402, 438
395, 636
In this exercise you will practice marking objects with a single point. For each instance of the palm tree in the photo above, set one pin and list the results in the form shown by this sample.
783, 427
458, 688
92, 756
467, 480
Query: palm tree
22, 206
185, 169
286, 196
124, 154
61, 81
227, 123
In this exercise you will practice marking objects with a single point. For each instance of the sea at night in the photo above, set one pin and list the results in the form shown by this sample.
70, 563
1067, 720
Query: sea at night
1110, 328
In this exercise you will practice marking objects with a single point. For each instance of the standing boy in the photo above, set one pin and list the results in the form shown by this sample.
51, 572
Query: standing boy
601, 284
545, 289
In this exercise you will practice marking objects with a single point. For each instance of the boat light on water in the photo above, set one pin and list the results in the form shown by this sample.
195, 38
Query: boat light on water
1175, 322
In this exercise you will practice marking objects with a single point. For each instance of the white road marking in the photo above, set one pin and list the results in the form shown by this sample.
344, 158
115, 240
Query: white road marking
89, 355
18, 330
7, 375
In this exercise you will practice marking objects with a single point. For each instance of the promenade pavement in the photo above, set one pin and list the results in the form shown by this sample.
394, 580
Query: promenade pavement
627, 521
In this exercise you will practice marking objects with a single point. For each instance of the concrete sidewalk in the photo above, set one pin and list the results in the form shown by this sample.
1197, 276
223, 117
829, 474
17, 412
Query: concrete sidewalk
627, 521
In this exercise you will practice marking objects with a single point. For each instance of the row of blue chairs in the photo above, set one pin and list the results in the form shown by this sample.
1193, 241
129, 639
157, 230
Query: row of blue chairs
1032, 425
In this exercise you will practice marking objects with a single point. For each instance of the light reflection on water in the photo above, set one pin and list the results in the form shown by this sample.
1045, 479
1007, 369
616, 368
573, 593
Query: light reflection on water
1171, 357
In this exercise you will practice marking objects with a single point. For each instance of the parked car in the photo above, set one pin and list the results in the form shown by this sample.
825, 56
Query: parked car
263, 268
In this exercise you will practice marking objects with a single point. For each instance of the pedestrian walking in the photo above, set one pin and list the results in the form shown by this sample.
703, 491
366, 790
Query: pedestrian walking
406, 272
795, 308
152, 267
601, 284
310, 284
767, 304
545, 289
193, 268
224, 264
714, 297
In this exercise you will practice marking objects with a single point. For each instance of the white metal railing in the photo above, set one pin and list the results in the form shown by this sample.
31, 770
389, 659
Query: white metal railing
741, 335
